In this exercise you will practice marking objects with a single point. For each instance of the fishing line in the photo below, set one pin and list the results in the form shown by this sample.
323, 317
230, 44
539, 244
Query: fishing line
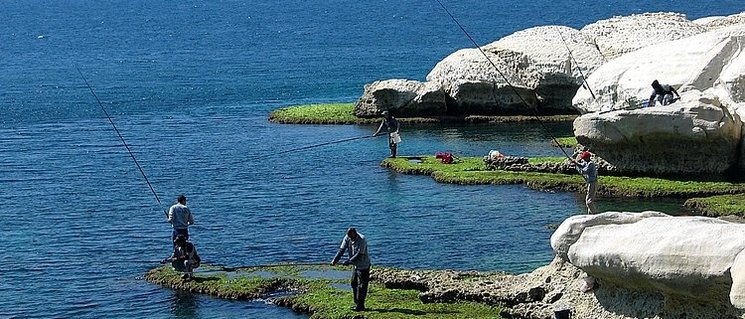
535, 113
123, 141
326, 143
571, 58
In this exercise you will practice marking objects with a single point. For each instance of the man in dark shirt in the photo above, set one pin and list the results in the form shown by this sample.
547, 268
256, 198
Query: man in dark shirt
391, 125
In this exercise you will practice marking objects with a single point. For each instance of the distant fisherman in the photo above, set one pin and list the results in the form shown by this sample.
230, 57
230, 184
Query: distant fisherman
589, 170
180, 218
391, 125
356, 244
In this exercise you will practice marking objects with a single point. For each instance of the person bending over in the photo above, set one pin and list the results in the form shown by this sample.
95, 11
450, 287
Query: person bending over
356, 245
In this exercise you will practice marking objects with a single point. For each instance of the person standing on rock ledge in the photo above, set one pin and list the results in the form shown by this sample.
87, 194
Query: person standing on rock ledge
663, 94
391, 125
180, 218
356, 244
589, 171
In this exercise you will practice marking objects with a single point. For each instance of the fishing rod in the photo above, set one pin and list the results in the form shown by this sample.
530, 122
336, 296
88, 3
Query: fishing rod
122, 139
326, 143
571, 58
535, 113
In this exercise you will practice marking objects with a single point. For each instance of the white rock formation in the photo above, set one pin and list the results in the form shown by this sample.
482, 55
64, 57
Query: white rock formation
698, 63
709, 72
535, 61
685, 259
402, 98
619, 35
697, 137
713, 23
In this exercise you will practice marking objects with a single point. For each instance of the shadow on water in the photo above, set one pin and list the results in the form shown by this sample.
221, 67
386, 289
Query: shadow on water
672, 207
184, 305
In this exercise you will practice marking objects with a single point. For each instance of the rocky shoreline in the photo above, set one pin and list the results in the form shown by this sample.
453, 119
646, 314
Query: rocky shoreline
550, 175
607, 83
535, 295
344, 114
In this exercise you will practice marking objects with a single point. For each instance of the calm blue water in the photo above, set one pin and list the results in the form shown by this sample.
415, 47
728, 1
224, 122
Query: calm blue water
190, 84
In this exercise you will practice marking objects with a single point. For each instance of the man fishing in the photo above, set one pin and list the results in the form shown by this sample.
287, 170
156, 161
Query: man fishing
180, 218
356, 244
589, 170
184, 257
662, 93
391, 125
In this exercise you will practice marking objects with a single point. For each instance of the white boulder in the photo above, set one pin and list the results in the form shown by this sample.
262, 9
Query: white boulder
402, 98
709, 72
619, 35
713, 23
697, 63
682, 258
694, 137
536, 62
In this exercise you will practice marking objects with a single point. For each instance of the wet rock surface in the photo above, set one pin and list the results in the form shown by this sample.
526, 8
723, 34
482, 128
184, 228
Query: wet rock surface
521, 164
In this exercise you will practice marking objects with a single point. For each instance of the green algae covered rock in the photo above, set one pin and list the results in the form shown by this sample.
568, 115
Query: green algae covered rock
319, 290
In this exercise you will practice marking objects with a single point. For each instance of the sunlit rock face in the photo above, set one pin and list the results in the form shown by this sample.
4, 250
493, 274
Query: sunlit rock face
699, 134
683, 258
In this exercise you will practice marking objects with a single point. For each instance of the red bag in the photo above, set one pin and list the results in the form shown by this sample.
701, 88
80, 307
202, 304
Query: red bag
446, 158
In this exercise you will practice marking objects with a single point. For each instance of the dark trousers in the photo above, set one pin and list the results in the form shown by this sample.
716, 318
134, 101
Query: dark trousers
360, 279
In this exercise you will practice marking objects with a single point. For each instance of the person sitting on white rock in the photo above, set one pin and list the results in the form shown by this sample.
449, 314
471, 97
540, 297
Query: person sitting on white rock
662, 93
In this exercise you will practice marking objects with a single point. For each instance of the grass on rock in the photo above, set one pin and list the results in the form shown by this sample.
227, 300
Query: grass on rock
472, 170
322, 298
715, 206
343, 113
336, 113
565, 141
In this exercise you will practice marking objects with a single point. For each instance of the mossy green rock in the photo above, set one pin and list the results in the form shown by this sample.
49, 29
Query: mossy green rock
322, 298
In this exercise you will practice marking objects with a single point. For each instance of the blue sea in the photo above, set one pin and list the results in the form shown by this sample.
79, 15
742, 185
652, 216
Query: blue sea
189, 85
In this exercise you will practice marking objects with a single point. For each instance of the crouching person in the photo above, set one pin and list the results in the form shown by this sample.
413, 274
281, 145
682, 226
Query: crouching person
184, 257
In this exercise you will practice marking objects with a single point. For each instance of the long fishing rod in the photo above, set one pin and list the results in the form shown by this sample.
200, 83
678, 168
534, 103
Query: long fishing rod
571, 58
535, 113
326, 143
123, 141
